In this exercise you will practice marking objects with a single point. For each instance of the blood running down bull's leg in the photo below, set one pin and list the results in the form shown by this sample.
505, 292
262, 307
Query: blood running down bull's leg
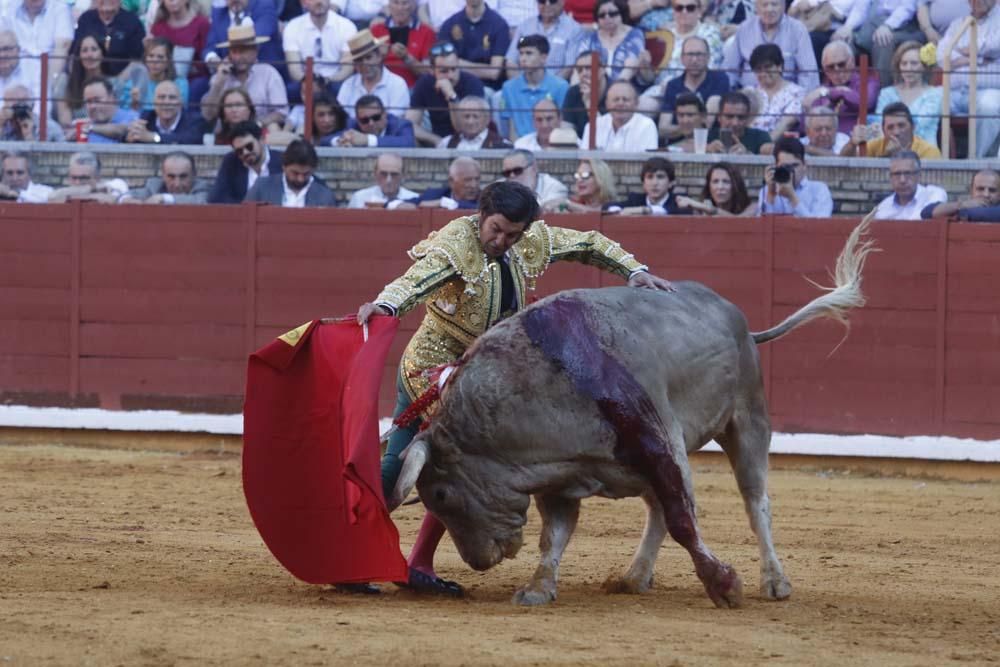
645, 440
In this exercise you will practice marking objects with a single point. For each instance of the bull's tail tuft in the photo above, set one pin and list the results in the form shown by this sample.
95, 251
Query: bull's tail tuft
846, 293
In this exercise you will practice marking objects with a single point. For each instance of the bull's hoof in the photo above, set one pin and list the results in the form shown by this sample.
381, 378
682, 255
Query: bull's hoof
776, 589
725, 588
530, 596
627, 585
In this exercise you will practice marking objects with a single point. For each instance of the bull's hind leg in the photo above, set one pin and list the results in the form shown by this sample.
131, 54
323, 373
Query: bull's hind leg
559, 517
639, 577
746, 443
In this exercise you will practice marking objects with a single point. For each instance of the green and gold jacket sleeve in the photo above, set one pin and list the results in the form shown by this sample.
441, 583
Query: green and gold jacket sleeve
593, 248
426, 275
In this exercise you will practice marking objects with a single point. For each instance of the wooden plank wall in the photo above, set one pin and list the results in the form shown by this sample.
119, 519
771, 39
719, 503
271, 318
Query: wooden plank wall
128, 307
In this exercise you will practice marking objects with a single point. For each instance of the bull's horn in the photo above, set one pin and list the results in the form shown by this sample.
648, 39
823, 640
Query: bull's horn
414, 457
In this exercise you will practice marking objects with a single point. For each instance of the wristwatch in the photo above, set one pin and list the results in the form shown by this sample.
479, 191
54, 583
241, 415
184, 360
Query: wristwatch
453, 98
156, 138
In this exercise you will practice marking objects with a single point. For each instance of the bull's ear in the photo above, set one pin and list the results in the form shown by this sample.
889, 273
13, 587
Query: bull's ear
414, 457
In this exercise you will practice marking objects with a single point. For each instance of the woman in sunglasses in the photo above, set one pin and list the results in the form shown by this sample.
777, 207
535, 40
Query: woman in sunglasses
593, 190
619, 44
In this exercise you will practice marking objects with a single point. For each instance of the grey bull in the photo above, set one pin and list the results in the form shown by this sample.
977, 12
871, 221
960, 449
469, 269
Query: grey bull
604, 392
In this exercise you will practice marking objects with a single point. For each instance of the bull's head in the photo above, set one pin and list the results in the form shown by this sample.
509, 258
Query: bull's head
484, 517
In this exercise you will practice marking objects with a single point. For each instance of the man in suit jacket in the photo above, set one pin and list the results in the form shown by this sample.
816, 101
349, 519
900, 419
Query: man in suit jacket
295, 186
258, 13
178, 183
657, 196
168, 122
372, 126
240, 169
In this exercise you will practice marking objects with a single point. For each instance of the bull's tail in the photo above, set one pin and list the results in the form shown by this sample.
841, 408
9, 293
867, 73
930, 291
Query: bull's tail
846, 293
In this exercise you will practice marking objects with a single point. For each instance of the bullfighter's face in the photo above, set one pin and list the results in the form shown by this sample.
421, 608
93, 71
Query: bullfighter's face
497, 234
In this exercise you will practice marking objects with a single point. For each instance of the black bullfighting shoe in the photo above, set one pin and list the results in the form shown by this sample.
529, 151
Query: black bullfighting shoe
357, 589
425, 583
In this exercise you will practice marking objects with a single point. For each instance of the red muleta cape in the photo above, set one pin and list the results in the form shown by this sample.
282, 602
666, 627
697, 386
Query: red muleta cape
311, 473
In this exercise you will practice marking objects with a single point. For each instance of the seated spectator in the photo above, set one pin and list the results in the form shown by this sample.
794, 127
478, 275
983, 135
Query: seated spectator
239, 170
534, 83
934, 17
87, 61
821, 18
545, 117
360, 12
690, 113
781, 100
696, 79
322, 34
474, 132
619, 44
120, 32
559, 28
878, 27
462, 192
261, 15
897, 131
909, 196
435, 12
42, 26
622, 129
372, 77
594, 189
178, 183
657, 196
84, 177
787, 190
16, 70
842, 90
410, 41
730, 14
182, 24
910, 79
983, 193
481, 38
107, 123
771, 26
19, 123
236, 107
168, 122
295, 186
437, 94
373, 126
388, 191
158, 65
724, 193
16, 183
822, 137
328, 119
987, 92
519, 165
731, 134
685, 24
576, 106
240, 68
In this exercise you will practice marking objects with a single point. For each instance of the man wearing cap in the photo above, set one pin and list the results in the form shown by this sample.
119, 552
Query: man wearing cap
240, 68
438, 93
258, 14
322, 34
372, 77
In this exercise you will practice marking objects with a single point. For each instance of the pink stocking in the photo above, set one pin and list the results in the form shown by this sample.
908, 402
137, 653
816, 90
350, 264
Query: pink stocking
422, 556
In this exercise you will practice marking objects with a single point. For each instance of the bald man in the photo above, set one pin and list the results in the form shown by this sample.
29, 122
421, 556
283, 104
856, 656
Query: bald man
983, 193
168, 122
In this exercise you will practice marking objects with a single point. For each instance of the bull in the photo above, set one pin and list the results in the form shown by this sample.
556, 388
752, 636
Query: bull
604, 392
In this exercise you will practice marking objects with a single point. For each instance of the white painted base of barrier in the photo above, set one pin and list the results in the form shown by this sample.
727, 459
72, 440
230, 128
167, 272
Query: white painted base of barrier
877, 446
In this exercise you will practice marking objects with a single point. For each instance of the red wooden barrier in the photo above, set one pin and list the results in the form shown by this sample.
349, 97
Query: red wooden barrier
128, 306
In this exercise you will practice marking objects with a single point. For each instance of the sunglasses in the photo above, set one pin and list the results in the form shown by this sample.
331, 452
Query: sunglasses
442, 49
245, 148
582, 175
613, 14
374, 118
842, 65
513, 171
691, 9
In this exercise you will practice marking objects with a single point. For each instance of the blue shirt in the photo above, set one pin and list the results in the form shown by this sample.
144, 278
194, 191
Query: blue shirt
715, 83
519, 98
564, 40
815, 201
476, 42
121, 117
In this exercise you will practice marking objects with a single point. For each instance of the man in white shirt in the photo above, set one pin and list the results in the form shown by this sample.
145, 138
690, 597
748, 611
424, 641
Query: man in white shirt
621, 129
545, 117
519, 165
43, 26
322, 34
388, 191
822, 137
372, 77
16, 183
18, 71
909, 197
84, 177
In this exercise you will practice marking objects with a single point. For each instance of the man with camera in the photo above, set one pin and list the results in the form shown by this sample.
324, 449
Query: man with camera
786, 189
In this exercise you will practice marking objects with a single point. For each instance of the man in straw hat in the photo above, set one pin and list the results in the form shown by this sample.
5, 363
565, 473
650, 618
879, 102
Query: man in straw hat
240, 68
257, 13
371, 77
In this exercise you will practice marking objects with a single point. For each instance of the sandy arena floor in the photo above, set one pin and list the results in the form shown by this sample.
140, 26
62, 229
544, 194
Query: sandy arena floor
112, 557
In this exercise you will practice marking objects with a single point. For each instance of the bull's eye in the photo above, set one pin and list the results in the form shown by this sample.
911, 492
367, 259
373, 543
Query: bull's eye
440, 495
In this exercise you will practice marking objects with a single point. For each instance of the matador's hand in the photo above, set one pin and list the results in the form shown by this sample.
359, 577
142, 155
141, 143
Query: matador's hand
367, 310
649, 281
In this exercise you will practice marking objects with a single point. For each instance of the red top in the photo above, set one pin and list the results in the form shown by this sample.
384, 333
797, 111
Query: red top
419, 44
194, 34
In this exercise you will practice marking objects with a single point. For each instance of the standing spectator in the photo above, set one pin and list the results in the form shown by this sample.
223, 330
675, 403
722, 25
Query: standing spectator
771, 26
619, 44
257, 14
240, 68
622, 129
472, 115
187, 29
724, 193
107, 122
464, 175
168, 122
373, 126
593, 191
239, 170
19, 122
121, 33
16, 183
576, 106
16, 70
822, 137
43, 26
842, 90
934, 16
787, 190
657, 196
696, 79
732, 134
909, 197
481, 38
924, 101
437, 94
388, 191
519, 165
984, 193
987, 15
323, 34
328, 119
410, 41
885, 25
535, 82
137, 92
372, 77
897, 135
781, 99
544, 118
178, 183
690, 113
563, 33
235, 107
296, 185
84, 177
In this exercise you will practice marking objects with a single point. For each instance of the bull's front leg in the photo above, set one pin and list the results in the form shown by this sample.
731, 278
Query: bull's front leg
639, 577
559, 517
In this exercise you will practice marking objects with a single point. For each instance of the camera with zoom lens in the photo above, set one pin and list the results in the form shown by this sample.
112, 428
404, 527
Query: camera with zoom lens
21, 111
782, 174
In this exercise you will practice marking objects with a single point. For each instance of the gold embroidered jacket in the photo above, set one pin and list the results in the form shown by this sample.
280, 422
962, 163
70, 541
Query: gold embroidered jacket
460, 285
